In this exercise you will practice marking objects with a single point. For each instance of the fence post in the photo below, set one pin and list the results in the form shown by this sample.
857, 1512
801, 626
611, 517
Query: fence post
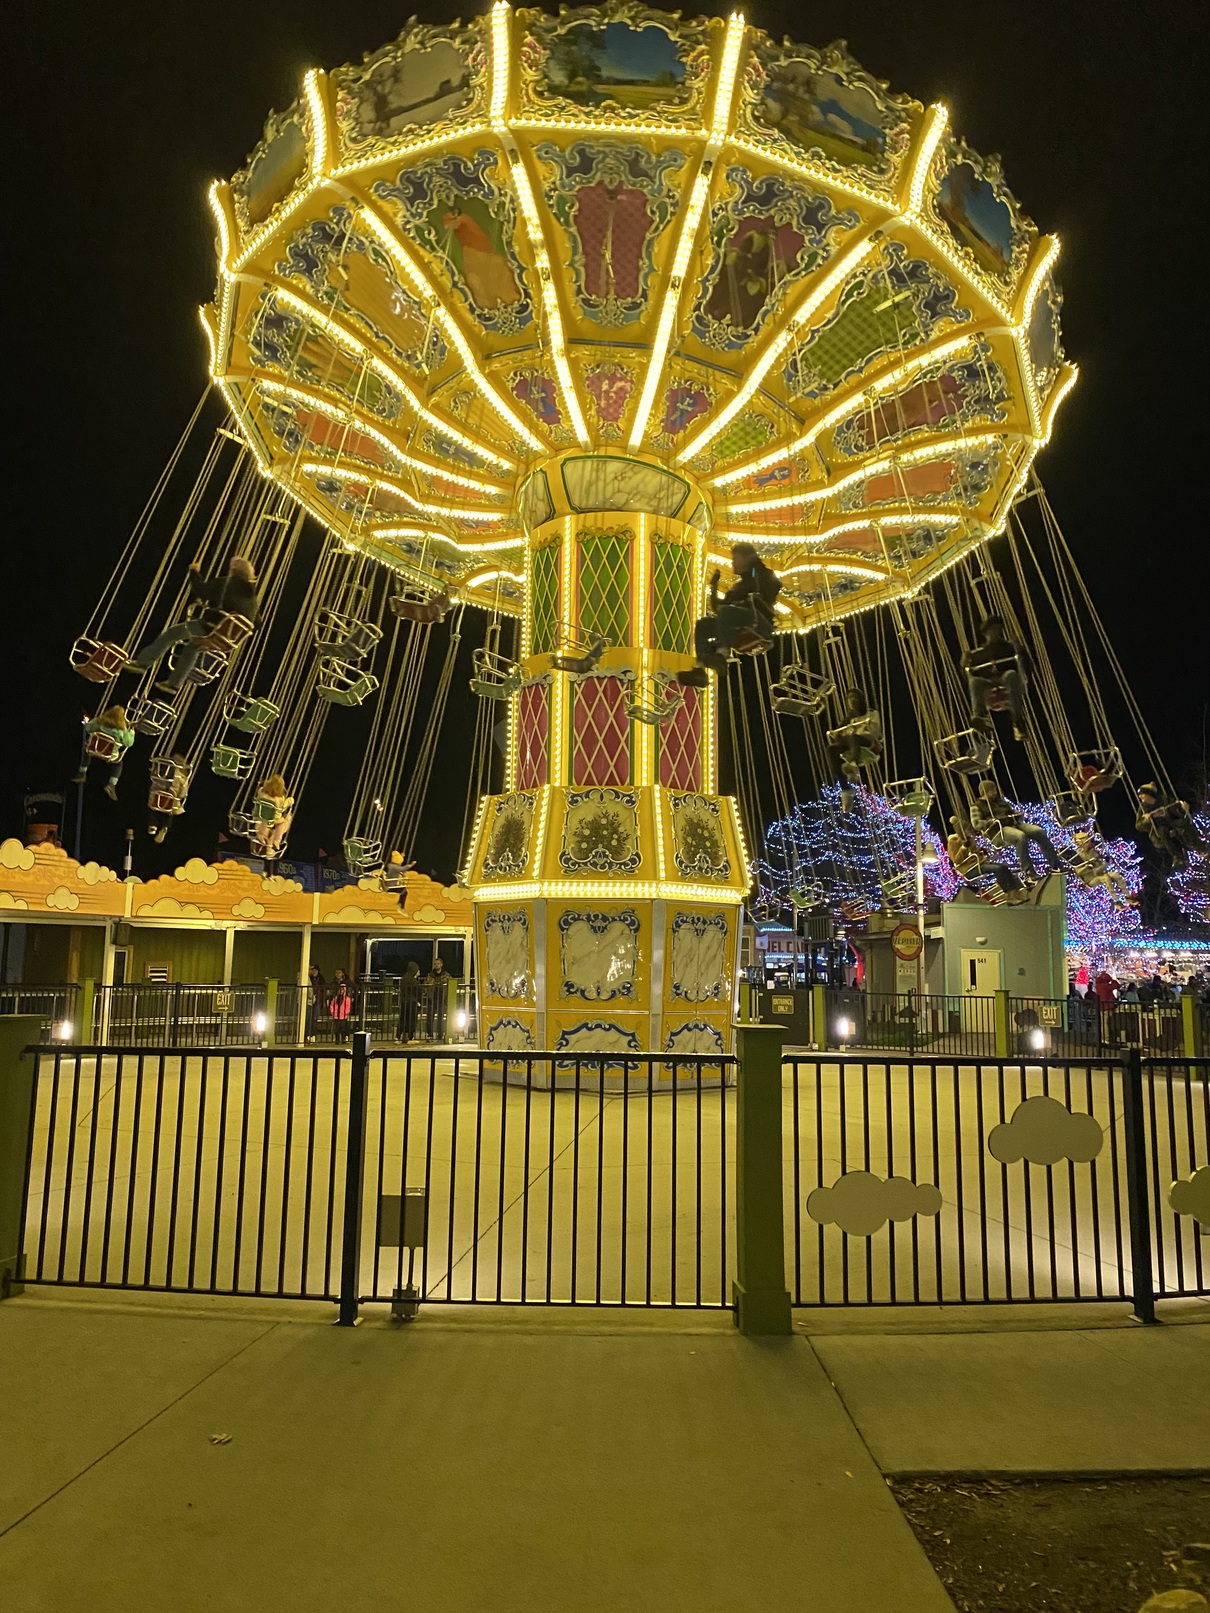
17, 1032
1191, 1024
270, 1013
819, 1016
350, 1257
761, 1299
86, 1013
1002, 1024
1134, 1136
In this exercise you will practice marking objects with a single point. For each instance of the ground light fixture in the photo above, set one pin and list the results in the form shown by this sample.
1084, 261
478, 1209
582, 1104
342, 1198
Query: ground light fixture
1037, 1040
64, 1030
844, 1029
260, 1024
460, 1020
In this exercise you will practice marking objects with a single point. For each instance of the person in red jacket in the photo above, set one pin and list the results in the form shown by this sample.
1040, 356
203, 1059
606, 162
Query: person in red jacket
1106, 989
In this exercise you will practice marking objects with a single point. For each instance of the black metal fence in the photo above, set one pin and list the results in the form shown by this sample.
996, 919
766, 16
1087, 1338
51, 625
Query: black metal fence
54, 1005
946, 1181
911, 1021
556, 1180
1077, 1026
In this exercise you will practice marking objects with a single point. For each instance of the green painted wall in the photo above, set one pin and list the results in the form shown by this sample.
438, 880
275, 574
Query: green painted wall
264, 955
334, 951
196, 955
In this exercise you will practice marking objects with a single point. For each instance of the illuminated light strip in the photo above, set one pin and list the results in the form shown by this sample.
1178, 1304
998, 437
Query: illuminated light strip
465, 873
810, 170
343, 414
777, 346
741, 839
444, 537
661, 862
877, 467
270, 229
920, 361
719, 125
826, 534
224, 227
1042, 263
646, 733
477, 578
1042, 267
318, 115
544, 795
391, 242
939, 120
533, 220
211, 341
846, 568
352, 344
355, 473
604, 889
1058, 393
410, 147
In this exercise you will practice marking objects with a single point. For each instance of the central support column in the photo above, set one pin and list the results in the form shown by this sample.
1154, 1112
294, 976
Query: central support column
609, 876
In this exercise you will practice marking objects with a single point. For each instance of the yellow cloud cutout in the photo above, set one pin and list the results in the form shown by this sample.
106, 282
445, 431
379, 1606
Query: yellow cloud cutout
861, 1203
63, 899
358, 915
428, 914
279, 885
1193, 1197
457, 893
248, 909
91, 873
169, 908
197, 872
1044, 1131
14, 855
7, 899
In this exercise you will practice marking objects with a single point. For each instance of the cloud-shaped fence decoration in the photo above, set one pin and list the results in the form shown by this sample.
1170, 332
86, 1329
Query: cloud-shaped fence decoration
1044, 1131
860, 1203
1192, 1197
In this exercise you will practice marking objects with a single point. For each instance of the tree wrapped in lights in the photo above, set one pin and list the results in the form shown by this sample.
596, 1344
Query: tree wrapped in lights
1190, 885
853, 856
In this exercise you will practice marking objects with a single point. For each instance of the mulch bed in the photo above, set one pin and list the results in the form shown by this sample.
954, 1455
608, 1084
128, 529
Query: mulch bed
1061, 1545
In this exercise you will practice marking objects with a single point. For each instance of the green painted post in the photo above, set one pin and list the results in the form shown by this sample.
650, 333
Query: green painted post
1003, 1025
1191, 1025
451, 1006
745, 1001
17, 1032
819, 1017
86, 1029
761, 1299
270, 1013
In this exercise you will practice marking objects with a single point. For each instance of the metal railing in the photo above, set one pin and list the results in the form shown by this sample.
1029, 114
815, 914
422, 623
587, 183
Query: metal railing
54, 1005
911, 1021
1076, 1026
928, 1182
550, 1179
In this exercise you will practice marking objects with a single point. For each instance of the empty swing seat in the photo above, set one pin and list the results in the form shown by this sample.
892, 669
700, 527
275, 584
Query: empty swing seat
209, 665
966, 752
98, 660
913, 797
148, 716
807, 896
104, 747
344, 638
250, 714
420, 607
1070, 808
229, 762
341, 687
654, 700
227, 634
494, 676
799, 692
363, 855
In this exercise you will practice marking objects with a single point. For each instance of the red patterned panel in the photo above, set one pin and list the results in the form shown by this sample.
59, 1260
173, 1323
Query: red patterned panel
600, 732
681, 745
533, 735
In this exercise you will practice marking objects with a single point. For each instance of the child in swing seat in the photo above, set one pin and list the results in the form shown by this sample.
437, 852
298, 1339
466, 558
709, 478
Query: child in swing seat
267, 838
113, 723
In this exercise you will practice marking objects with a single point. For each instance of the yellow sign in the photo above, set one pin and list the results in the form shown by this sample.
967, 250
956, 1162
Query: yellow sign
907, 942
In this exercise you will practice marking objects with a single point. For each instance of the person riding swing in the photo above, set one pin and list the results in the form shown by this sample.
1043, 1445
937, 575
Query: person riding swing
746, 610
232, 594
995, 665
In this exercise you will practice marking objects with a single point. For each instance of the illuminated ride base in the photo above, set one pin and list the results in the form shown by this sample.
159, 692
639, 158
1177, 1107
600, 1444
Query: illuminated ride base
609, 876
545, 313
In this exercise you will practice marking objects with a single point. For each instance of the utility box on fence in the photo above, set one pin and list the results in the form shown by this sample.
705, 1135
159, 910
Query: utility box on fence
403, 1219
17, 1073
791, 1008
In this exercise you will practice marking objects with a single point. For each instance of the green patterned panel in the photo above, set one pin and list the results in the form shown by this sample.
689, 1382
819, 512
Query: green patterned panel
870, 323
605, 585
671, 597
544, 587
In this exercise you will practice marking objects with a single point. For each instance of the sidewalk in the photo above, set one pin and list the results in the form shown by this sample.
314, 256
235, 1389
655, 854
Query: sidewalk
506, 1460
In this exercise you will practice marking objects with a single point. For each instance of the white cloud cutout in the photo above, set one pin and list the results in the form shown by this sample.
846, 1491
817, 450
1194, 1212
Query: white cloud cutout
861, 1204
428, 914
1044, 1131
167, 907
66, 901
197, 872
91, 873
1193, 1197
7, 899
14, 855
248, 909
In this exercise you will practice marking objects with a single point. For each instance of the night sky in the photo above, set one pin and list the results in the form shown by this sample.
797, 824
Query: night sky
122, 115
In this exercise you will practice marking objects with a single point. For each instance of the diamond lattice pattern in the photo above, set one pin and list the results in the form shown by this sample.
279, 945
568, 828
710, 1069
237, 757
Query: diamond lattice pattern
533, 734
544, 582
681, 745
605, 586
671, 597
600, 734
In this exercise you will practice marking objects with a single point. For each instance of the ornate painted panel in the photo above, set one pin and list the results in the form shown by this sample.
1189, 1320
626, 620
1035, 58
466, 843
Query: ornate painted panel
680, 742
601, 832
533, 735
600, 730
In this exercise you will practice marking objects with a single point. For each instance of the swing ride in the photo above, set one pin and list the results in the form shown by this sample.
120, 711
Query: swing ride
539, 316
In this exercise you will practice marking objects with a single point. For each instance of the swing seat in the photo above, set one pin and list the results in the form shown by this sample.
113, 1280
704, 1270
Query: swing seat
799, 692
263, 811
250, 714
898, 891
1093, 771
228, 762
654, 701
104, 747
344, 638
98, 660
421, 607
968, 751
807, 896
494, 676
208, 666
227, 634
1070, 808
749, 642
578, 654
997, 699
165, 801
855, 909
912, 797
149, 716
993, 896
394, 877
336, 684
364, 856
764, 912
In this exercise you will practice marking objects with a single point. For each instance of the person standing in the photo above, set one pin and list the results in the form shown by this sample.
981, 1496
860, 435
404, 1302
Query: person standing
317, 999
340, 1004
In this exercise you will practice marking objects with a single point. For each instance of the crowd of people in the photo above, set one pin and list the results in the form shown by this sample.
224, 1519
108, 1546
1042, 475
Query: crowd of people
335, 1007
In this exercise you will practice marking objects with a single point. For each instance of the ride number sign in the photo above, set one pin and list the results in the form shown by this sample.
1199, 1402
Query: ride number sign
907, 942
